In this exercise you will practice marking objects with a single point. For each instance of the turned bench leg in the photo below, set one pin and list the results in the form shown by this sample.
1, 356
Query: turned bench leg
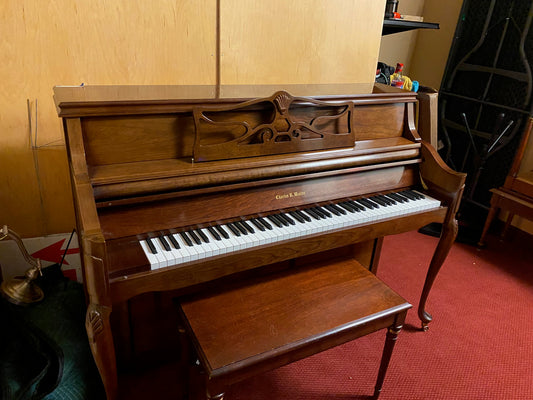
507, 224
390, 341
219, 396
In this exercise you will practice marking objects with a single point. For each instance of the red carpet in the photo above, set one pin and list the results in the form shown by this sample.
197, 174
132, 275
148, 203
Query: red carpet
479, 345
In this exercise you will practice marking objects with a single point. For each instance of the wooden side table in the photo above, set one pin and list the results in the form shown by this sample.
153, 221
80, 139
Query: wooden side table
274, 320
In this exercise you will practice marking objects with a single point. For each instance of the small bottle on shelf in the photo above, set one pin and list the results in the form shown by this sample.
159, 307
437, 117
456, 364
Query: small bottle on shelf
398, 79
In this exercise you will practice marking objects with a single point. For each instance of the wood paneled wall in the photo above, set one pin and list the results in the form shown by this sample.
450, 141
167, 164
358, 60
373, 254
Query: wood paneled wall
169, 42
299, 42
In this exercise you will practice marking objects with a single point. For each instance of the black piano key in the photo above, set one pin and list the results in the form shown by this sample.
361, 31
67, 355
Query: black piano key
368, 203
317, 211
358, 203
419, 195
195, 237
265, 223
387, 199
313, 213
275, 221
339, 209
287, 218
222, 231
247, 226
151, 245
202, 235
296, 216
306, 217
324, 211
374, 202
173, 241
214, 233
415, 195
390, 198
348, 207
258, 224
241, 227
234, 229
377, 199
410, 196
397, 198
164, 242
186, 238
281, 219
407, 199
331, 210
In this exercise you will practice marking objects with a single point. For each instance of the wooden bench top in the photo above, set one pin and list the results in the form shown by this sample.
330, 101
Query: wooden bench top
273, 320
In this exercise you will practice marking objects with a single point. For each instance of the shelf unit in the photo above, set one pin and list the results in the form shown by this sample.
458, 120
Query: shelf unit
391, 26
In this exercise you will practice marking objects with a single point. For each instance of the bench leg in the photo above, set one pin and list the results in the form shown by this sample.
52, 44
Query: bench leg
507, 224
494, 207
214, 390
390, 341
219, 396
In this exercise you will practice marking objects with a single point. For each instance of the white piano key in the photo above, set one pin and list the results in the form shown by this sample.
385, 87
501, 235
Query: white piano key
217, 244
152, 259
160, 253
179, 256
190, 249
214, 249
188, 256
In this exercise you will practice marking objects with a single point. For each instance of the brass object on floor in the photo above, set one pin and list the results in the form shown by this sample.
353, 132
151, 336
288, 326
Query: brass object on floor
22, 289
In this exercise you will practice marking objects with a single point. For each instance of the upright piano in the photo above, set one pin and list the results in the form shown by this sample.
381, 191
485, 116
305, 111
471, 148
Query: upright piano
180, 194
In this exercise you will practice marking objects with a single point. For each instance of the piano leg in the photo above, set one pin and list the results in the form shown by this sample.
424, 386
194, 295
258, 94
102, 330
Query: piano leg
98, 328
449, 232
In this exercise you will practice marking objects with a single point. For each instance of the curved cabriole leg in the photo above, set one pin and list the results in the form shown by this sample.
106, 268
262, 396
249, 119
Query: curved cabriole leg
98, 328
390, 341
447, 238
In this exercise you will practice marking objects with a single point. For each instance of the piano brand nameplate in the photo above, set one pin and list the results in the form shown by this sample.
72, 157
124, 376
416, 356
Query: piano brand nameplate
275, 125
289, 195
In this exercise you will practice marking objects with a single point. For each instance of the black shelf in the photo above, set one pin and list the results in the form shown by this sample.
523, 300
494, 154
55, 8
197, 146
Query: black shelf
391, 26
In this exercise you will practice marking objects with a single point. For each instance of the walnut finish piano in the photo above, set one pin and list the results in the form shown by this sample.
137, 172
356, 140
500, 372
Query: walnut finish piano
175, 194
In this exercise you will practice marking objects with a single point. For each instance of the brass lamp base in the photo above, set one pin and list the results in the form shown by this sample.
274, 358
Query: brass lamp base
23, 290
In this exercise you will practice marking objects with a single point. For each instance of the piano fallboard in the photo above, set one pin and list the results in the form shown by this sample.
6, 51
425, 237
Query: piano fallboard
256, 197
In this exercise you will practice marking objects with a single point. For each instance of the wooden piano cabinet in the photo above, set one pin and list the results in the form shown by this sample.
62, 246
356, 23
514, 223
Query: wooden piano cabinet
516, 194
136, 173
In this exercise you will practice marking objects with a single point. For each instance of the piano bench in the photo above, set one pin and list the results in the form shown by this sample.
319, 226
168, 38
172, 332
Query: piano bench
270, 321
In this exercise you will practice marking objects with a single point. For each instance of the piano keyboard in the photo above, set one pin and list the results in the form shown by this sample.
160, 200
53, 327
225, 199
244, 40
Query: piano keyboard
195, 244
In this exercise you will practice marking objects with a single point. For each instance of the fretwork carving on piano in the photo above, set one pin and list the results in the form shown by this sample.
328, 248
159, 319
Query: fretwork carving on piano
275, 125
